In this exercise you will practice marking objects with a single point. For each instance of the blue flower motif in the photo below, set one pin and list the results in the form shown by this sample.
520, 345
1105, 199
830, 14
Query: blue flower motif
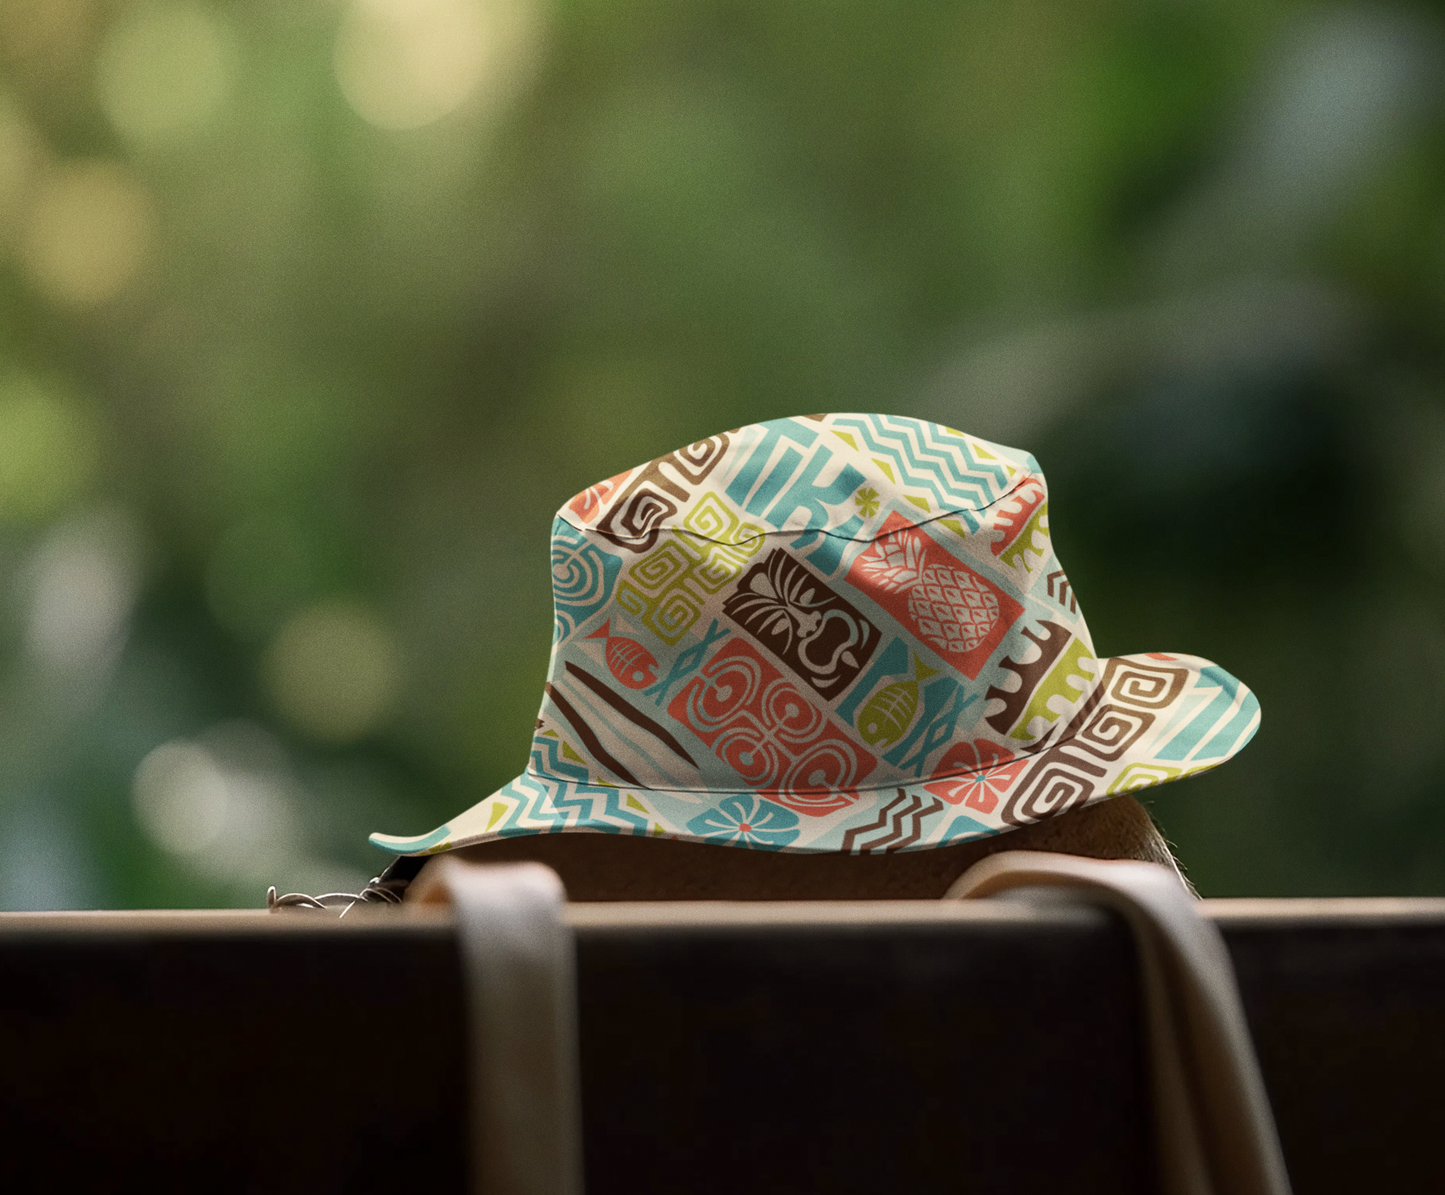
747, 820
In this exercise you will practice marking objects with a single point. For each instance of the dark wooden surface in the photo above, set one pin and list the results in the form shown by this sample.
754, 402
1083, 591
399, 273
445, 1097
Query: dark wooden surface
885, 1049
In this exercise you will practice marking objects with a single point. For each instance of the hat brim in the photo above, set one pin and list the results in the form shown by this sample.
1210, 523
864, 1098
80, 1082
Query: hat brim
1148, 720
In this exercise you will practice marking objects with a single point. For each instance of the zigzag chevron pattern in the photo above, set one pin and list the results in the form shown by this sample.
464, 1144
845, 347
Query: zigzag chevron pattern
1059, 589
933, 458
898, 826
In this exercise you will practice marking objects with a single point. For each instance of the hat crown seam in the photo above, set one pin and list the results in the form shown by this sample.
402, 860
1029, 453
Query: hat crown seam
764, 533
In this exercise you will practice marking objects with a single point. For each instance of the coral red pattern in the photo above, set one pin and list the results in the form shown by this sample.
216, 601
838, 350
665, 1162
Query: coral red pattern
777, 740
961, 614
988, 774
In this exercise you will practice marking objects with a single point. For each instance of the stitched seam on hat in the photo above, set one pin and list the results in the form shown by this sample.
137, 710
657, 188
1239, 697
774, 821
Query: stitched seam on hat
1037, 749
946, 514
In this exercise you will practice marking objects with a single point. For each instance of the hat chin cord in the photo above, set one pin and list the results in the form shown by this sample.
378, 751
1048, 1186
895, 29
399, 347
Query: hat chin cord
1214, 1128
384, 889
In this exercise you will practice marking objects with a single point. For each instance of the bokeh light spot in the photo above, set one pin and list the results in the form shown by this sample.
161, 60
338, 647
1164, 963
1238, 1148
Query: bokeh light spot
403, 64
88, 232
47, 451
333, 671
164, 70
84, 581
180, 797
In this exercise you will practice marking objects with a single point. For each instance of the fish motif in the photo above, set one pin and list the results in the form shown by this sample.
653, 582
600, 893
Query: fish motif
885, 719
628, 661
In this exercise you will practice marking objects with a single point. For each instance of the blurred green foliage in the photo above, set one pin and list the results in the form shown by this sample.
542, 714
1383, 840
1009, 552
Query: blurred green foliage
311, 315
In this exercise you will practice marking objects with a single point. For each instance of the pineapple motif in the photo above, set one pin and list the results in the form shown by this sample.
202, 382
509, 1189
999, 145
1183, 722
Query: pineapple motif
952, 610
955, 610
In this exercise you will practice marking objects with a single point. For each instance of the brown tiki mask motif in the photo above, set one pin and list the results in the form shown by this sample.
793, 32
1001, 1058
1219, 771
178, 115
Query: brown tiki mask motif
818, 634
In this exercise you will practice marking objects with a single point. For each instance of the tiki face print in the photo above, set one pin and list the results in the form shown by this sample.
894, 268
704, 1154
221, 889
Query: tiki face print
818, 634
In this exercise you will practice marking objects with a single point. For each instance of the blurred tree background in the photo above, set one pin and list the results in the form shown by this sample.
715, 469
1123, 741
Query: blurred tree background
312, 312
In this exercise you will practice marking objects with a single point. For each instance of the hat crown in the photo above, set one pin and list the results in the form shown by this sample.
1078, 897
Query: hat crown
815, 600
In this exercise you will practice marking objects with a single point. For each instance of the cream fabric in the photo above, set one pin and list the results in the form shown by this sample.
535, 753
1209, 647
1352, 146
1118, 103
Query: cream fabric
518, 960
1216, 1132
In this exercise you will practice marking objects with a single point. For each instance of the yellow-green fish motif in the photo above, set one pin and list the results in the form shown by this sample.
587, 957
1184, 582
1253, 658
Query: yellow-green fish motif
885, 719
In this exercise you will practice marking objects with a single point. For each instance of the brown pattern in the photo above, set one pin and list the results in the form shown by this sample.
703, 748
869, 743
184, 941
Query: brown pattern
1051, 645
1148, 685
817, 633
902, 818
636, 717
1117, 715
1058, 781
589, 736
657, 492
1111, 730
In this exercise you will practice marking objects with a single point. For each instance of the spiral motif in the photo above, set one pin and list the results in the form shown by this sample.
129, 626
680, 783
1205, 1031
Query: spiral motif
791, 717
660, 567
729, 685
630, 600
676, 611
1053, 791
644, 512
818, 775
1112, 730
746, 748
719, 567
577, 575
697, 460
1152, 688
711, 519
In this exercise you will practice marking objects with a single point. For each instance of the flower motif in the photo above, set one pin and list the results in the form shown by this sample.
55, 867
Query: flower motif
746, 820
867, 502
981, 772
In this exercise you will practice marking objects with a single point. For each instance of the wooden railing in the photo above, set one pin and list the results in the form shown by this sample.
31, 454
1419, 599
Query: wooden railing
909, 1047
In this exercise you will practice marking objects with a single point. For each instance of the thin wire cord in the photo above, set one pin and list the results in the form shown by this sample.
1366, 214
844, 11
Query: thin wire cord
378, 891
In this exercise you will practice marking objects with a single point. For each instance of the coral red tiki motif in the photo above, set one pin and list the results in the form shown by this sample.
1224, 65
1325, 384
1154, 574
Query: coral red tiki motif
1017, 512
961, 614
586, 504
770, 734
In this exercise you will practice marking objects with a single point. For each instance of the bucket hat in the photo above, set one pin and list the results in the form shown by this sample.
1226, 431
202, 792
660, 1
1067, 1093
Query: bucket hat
834, 633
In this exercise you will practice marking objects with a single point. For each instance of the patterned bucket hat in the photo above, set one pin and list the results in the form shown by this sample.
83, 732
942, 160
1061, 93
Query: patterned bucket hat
842, 633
